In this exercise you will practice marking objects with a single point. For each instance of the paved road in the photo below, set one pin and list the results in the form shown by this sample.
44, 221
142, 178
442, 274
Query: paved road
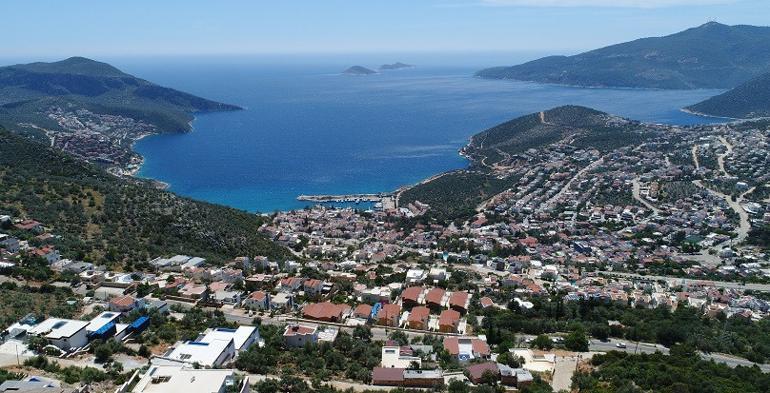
637, 193
640, 347
679, 280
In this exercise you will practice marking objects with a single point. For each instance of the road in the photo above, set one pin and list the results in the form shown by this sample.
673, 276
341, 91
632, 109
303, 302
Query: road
549, 203
694, 153
634, 347
637, 192
744, 226
679, 280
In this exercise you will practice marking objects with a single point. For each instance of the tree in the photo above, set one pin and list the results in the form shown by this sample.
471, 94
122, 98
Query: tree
399, 337
509, 359
489, 378
102, 352
600, 331
362, 333
542, 342
457, 386
37, 344
576, 341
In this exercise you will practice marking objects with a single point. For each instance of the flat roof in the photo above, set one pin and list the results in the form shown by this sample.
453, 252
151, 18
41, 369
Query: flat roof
205, 354
55, 328
181, 379
102, 319
239, 336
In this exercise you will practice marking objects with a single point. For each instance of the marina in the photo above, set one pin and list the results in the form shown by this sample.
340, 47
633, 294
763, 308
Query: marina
384, 201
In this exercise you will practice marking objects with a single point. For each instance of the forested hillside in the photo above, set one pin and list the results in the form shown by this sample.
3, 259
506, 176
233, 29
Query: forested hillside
103, 218
749, 100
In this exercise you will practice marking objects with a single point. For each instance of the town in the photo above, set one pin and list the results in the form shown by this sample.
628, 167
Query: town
634, 249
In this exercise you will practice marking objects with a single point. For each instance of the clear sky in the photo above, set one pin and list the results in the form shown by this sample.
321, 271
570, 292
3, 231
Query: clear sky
57, 28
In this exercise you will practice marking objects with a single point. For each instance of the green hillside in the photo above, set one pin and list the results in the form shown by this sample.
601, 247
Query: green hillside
26, 88
747, 101
457, 194
585, 127
709, 56
107, 219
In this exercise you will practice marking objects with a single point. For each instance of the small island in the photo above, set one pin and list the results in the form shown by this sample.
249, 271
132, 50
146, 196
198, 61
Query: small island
396, 66
359, 70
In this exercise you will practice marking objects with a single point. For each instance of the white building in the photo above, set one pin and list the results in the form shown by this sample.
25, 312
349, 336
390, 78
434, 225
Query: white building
102, 320
243, 337
393, 358
206, 354
176, 378
298, 335
63, 333
416, 276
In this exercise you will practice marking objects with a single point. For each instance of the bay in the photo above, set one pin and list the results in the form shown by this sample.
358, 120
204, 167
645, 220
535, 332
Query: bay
307, 129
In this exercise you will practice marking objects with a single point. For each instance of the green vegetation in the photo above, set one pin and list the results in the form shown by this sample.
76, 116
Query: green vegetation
164, 329
588, 128
82, 83
709, 56
749, 100
736, 335
6, 375
347, 357
72, 374
43, 301
682, 372
105, 219
455, 194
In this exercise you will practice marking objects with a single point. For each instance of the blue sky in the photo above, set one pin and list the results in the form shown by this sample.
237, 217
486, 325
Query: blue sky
50, 29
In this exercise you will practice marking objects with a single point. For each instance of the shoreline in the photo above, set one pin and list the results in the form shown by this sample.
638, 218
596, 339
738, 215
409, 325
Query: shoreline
134, 172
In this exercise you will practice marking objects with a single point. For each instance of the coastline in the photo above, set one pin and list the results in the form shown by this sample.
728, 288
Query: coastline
136, 167
696, 113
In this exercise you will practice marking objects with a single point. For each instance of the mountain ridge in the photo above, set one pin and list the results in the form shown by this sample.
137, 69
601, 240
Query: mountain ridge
712, 55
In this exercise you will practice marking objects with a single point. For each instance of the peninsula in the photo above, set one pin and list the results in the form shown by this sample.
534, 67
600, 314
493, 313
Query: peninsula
93, 110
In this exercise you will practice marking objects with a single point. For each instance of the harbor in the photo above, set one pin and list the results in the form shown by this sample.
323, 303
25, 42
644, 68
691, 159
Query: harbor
381, 201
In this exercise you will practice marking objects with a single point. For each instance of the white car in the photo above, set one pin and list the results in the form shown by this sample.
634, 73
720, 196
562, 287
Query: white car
620, 345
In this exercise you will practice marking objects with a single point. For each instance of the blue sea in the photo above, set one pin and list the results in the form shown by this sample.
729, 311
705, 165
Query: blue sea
307, 129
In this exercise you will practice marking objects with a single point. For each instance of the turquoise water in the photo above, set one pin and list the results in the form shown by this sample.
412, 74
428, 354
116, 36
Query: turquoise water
308, 130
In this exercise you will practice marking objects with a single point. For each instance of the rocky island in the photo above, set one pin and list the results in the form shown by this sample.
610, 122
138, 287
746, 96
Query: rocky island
395, 66
358, 71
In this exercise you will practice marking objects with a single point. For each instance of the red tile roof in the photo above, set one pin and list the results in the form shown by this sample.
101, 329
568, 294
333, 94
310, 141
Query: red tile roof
123, 301
449, 318
258, 296
387, 375
363, 311
412, 293
458, 299
294, 330
418, 314
325, 310
477, 371
435, 296
388, 311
